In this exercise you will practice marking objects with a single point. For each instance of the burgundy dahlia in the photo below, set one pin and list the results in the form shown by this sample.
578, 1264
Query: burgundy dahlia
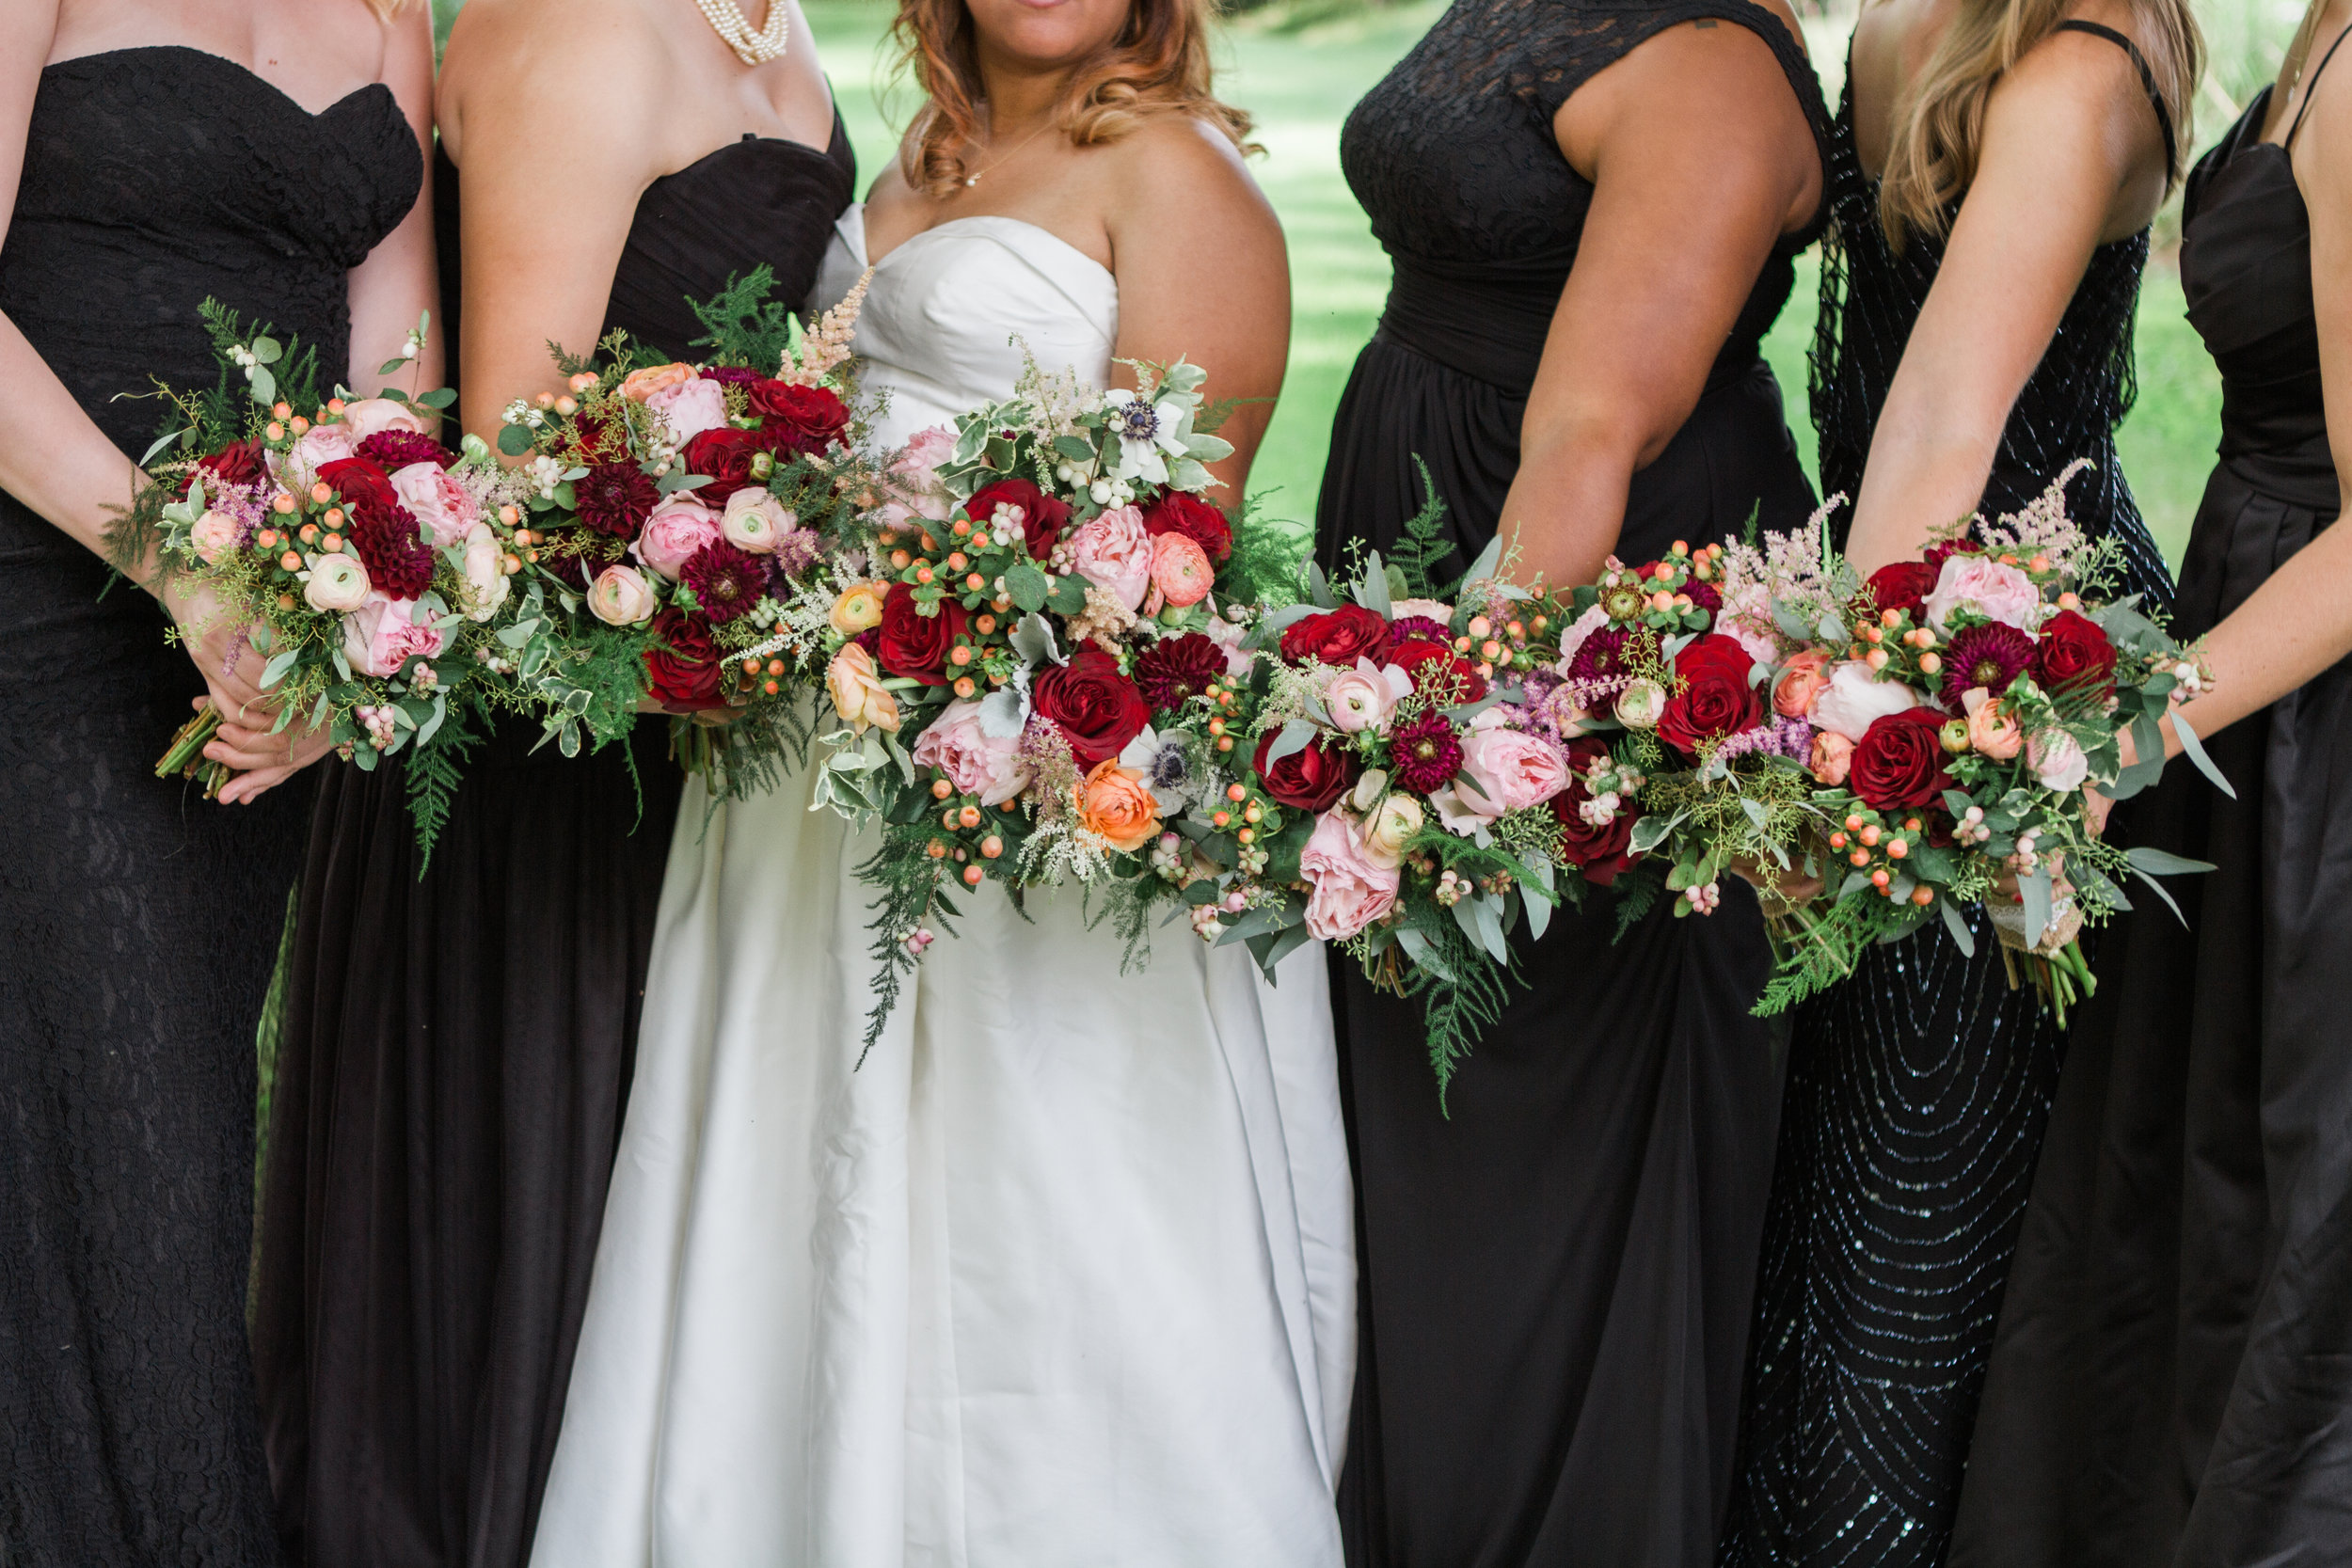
397, 449
1172, 672
615, 498
1600, 655
1423, 753
390, 544
1990, 656
726, 582
1418, 628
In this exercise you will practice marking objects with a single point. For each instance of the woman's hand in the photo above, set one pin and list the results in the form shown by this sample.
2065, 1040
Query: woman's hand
262, 761
221, 648
1790, 887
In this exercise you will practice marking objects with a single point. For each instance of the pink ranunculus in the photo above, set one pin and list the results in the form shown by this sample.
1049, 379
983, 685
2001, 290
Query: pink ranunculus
383, 634
1181, 570
1114, 553
1507, 770
2056, 760
1747, 619
1991, 731
1229, 637
1350, 891
439, 502
756, 521
975, 762
213, 536
678, 528
312, 450
1831, 758
374, 416
1362, 698
690, 407
1800, 684
1980, 583
1855, 699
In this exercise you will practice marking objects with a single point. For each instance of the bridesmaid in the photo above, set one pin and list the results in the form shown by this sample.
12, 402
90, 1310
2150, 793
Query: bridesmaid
458, 1043
2171, 1381
1994, 167
265, 152
1591, 206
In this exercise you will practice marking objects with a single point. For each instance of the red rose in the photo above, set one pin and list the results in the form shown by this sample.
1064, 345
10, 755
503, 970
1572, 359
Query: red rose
1429, 664
1098, 708
613, 497
1310, 778
1938, 554
916, 645
1196, 519
1904, 585
2075, 655
1043, 517
238, 463
806, 419
687, 675
1715, 699
726, 455
1898, 764
1600, 853
359, 481
1337, 637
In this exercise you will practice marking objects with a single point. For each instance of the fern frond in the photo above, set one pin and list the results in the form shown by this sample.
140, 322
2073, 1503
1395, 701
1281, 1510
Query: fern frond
1425, 546
743, 324
433, 774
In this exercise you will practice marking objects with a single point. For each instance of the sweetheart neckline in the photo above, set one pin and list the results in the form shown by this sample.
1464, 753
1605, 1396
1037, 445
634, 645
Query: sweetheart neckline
238, 66
866, 253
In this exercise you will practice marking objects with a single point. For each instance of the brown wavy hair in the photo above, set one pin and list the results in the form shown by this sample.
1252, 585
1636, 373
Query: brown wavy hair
1939, 119
387, 10
1158, 64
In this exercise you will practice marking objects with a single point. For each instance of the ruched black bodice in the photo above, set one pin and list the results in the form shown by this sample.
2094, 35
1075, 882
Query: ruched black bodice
458, 1045
2174, 1363
141, 922
1919, 1088
1554, 1282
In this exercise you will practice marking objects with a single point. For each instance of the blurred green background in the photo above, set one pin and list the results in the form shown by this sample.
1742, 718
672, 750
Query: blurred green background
1299, 65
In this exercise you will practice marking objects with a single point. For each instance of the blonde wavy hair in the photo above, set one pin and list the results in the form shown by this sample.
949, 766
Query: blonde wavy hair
1939, 119
1158, 63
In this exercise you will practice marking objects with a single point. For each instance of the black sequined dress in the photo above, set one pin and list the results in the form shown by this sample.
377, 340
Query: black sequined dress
2173, 1382
1555, 1281
140, 921
458, 1045
1919, 1088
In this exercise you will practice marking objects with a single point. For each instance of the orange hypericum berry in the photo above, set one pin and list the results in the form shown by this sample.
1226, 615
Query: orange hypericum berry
1490, 649
267, 539
1220, 817
1872, 634
936, 849
961, 653
290, 561
973, 876
1923, 896
992, 846
965, 686
1911, 824
332, 544
1878, 878
282, 409
334, 406
1837, 841
750, 667
2008, 559
285, 601
1931, 663
969, 817
771, 688
964, 525
1225, 743
1870, 836
1897, 848
923, 573
941, 789
979, 541
334, 516
283, 506
900, 561
275, 431
973, 583
1860, 857
929, 543
1247, 835
1875, 658
1517, 632
545, 400
510, 562
957, 562
1681, 548
948, 820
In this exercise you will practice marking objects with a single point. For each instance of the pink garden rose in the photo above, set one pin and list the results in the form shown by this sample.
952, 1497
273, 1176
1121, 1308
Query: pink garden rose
1350, 890
621, 596
1980, 583
384, 634
1114, 553
444, 506
374, 416
1855, 699
1831, 758
678, 527
915, 490
1362, 698
1746, 618
1507, 769
2057, 760
690, 407
975, 762
313, 449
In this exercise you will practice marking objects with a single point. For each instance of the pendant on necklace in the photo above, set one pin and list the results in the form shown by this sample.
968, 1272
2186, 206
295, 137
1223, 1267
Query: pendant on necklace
971, 180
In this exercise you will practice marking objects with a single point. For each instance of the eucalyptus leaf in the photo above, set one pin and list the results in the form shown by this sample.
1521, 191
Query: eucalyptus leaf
514, 440
678, 479
164, 440
2036, 890
2149, 860
275, 671
2196, 750
1026, 584
267, 350
1295, 736
440, 711
264, 386
1319, 587
1372, 589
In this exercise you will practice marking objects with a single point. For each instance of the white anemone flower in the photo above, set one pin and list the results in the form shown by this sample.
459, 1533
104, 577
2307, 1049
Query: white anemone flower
1148, 434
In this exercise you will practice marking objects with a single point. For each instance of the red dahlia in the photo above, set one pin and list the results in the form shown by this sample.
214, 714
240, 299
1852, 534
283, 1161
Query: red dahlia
1599, 655
1172, 672
1423, 754
1990, 656
390, 544
398, 449
614, 499
726, 582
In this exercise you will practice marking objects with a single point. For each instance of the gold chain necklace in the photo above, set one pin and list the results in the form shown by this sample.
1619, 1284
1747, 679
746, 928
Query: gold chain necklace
752, 46
974, 177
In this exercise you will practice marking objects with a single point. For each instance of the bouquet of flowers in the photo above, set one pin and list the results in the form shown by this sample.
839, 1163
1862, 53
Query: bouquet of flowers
369, 563
669, 513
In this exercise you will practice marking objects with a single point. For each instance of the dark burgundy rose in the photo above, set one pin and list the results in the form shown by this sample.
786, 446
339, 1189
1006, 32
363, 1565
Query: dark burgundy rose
914, 644
357, 480
1177, 512
1098, 709
1171, 673
1432, 666
1042, 517
2075, 655
726, 455
1424, 752
399, 449
806, 418
238, 463
1310, 778
614, 499
1904, 585
689, 673
1990, 656
1898, 764
726, 582
1600, 853
1337, 637
1714, 699
1938, 554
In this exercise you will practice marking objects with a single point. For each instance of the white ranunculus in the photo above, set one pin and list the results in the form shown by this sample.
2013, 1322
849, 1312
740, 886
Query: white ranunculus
337, 585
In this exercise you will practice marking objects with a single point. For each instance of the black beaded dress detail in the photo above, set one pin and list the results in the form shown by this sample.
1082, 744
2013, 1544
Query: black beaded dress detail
2173, 1370
1555, 1282
458, 1047
140, 921
1919, 1088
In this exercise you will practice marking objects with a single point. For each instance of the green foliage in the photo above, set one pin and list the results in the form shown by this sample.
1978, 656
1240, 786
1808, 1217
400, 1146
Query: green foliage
433, 773
1269, 556
911, 893
1637, 893
1462, 992
744, 324
1425, 546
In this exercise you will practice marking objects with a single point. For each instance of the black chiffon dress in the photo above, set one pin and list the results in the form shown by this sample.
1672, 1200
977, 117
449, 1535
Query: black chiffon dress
139, 920
457, 1047
1918, 1088
2172, 1382
1555, 1281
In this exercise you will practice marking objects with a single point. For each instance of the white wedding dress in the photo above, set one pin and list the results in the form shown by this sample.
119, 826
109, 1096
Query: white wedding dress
1063, 1278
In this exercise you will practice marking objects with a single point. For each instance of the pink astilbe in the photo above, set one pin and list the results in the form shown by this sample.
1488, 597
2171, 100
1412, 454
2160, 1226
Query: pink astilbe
826, 346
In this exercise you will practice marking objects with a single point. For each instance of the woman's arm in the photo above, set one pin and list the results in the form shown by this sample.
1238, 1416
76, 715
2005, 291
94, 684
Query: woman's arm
1700, 158
2071, 153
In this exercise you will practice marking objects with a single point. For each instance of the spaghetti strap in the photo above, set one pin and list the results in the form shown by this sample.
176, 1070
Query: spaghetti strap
2310, 84
2147, 80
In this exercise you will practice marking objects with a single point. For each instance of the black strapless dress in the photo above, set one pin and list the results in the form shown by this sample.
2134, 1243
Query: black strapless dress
457, 1047
2172, 1382
1556, 1281
140, 922
1919, 1088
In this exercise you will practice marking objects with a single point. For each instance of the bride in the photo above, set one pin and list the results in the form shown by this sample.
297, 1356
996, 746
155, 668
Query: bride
1064, 1273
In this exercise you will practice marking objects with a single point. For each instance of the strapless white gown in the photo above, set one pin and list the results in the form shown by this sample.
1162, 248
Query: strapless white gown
1064, 1277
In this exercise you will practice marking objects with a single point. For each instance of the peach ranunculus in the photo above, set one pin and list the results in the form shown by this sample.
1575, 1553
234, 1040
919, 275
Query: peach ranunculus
855, 684
439, 502
621, 596
1114, 552
859, 608
1181, 570
1992, 733
975, 762
1507, 769
679, 526
1349, 890
640, 384
1118, 803
213, 536
384, 634
1388, 829
1982, 584
688, 409
1855, 699
756, 520
1804, 679
1832, 759
367, 417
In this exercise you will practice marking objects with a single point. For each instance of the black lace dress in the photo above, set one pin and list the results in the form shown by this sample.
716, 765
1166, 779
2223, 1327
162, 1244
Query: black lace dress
458, 1046
1555, 1281
1918, 1090
2173, 1375
139, 920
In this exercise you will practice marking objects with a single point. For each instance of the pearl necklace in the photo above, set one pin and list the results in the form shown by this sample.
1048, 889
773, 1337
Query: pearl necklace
753, 47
